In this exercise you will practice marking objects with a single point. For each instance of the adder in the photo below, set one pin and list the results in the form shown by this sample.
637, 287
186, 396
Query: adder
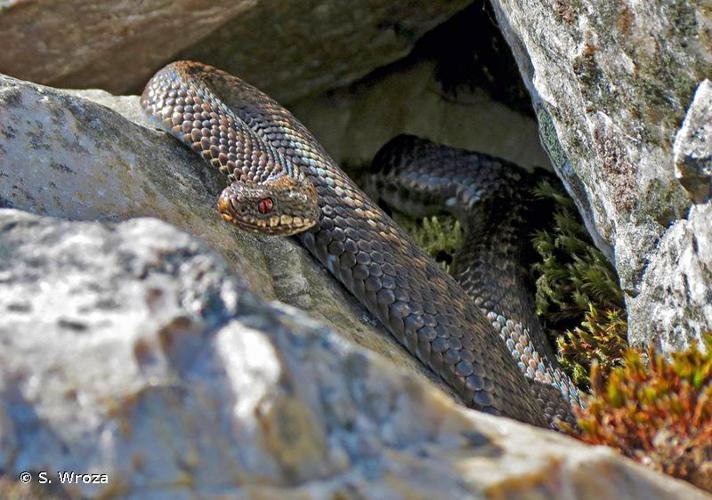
481, 339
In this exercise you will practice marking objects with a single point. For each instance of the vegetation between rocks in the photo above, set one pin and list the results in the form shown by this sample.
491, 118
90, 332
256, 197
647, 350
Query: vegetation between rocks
439, 236
658, 413
577, 293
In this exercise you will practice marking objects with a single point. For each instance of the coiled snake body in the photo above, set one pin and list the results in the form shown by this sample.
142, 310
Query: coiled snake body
283, 182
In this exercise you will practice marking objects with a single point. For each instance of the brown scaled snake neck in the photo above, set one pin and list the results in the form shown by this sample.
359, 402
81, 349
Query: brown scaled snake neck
283, 182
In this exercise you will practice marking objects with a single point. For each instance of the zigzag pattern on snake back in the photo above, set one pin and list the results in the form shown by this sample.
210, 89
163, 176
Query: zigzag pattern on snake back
256, 141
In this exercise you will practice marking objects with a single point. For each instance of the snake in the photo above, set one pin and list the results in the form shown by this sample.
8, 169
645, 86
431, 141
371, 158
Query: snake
281, 181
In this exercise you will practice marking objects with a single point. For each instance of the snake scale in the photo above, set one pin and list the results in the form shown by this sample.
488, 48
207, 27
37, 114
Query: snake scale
283, 182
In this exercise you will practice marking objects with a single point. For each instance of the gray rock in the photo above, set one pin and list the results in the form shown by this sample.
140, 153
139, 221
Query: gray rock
132, 350
288, 48
615, 79
693, 146
459, 86
676, 295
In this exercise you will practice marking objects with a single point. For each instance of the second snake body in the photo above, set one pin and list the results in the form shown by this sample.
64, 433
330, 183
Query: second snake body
258, 143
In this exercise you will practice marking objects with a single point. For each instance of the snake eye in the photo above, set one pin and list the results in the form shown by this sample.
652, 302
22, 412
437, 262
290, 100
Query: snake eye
265, 205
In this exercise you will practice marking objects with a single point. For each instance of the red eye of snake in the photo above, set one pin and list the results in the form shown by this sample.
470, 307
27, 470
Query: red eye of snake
265, 205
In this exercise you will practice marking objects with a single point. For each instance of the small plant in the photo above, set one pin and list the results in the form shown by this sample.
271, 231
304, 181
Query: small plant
600, 337
573, 273
659, 414
439, 236
577, 293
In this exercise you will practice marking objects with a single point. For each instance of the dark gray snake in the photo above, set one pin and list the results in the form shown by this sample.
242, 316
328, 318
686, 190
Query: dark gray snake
283, 182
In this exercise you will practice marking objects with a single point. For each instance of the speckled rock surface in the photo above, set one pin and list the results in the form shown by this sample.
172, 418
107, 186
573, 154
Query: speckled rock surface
693, 146
65, 156
612, 83
286, 47
676, 290
132, 350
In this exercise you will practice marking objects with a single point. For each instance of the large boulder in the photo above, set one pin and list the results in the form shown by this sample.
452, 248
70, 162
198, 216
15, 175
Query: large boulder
287, 47
133, 352
612, 84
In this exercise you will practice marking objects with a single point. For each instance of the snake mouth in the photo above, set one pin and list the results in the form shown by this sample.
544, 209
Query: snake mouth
283, 225
276, 224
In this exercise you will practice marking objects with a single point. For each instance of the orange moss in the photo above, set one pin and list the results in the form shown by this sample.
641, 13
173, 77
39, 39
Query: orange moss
659, 413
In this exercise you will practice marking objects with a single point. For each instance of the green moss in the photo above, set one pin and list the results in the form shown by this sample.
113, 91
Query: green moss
439, 236
577, 293
571, 273
659, 412
601, 337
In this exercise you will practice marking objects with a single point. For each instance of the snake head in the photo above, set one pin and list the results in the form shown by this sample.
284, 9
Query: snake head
281, 206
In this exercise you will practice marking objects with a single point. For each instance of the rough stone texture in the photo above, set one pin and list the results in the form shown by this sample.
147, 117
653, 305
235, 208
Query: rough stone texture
289, 49
64, 156
679, 280
105, 44
131, 350
693, 146
286, 47
611, 83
